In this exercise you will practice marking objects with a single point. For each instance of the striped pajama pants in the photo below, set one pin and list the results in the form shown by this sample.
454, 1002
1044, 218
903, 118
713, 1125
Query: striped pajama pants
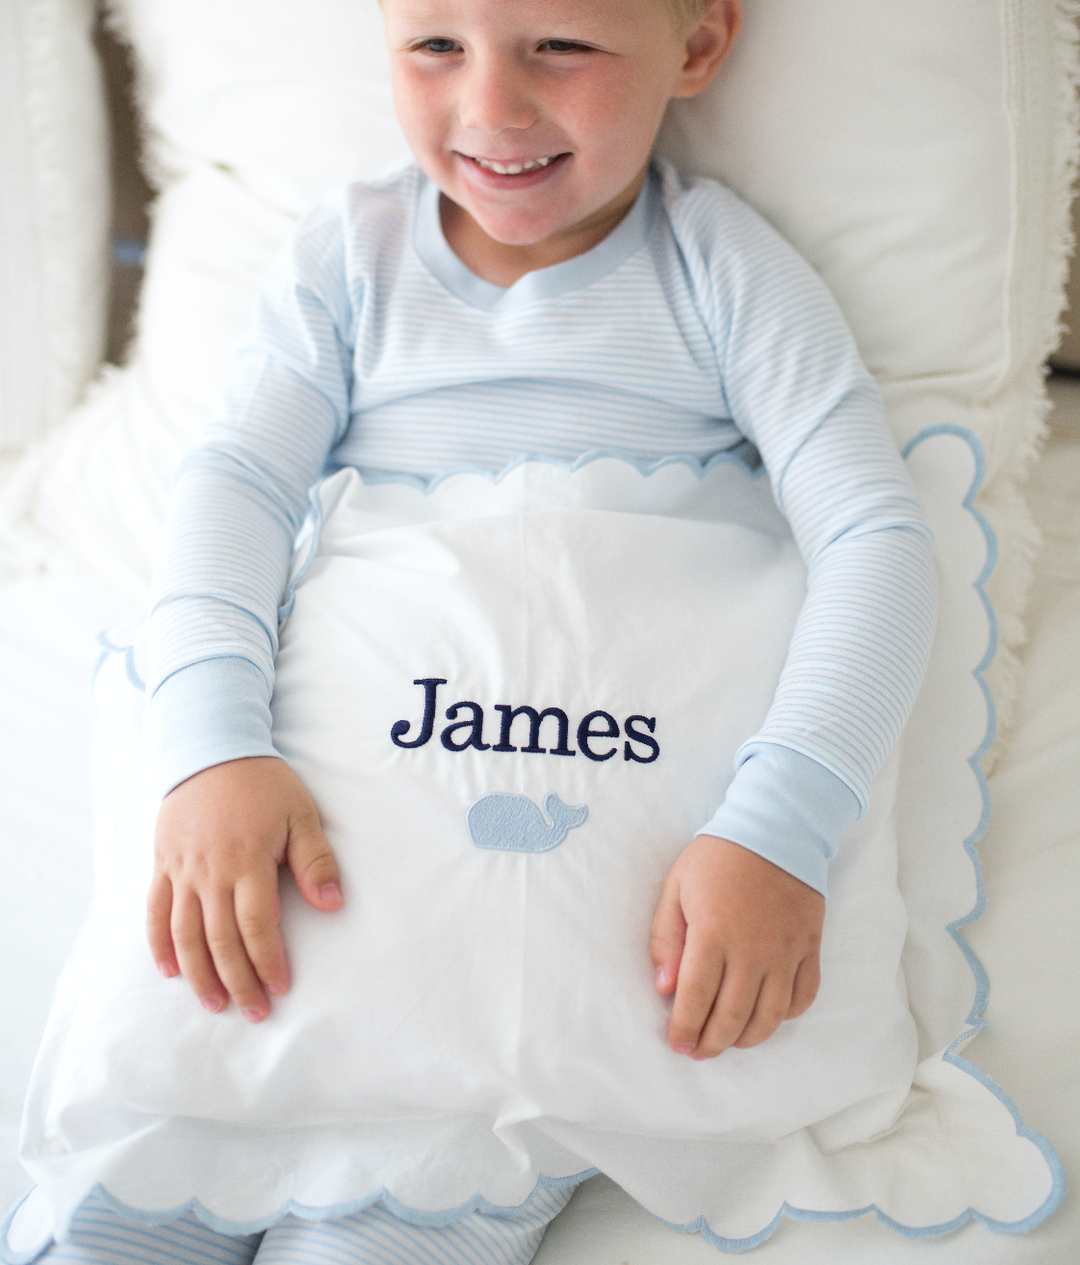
372, 1237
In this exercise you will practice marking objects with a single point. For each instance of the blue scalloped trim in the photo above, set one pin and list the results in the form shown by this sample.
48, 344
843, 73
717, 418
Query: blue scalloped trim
6, 1254
413, 1216
743, 453
975, 1020
108, 648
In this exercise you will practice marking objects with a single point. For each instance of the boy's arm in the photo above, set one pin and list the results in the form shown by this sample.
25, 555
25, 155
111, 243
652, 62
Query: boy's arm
748, 929
738, 938
213, 907
239, 500
796, 387
234, 811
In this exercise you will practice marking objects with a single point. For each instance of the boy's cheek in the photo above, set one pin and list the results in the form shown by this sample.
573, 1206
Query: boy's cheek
421, 100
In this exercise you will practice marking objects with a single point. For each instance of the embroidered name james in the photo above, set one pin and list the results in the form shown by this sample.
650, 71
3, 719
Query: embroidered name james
594, 732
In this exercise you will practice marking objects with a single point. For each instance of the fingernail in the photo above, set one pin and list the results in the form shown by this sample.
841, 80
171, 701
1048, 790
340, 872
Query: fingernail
166, 970
252, 1015
682, 1049
329, 892
275, 989
661, 977
214, 1004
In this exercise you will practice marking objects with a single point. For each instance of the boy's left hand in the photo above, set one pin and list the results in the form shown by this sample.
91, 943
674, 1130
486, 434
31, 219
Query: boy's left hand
736, 939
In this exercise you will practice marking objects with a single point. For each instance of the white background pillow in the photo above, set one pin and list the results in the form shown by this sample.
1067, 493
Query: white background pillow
54, 214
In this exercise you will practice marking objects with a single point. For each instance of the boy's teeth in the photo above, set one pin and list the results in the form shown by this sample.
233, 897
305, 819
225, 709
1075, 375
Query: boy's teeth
513, 169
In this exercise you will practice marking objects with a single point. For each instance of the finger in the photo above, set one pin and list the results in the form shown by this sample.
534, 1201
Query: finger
158, 933
668, 937
258, 917
806, 985
770, 1010
727, 1021
701, 973
312, 863
230, 958
192, 954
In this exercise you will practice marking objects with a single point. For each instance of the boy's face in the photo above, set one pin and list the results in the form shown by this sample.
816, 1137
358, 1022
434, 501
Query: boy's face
537, 117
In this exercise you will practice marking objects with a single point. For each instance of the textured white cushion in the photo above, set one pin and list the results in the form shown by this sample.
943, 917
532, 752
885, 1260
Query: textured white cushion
290, 101
54, 214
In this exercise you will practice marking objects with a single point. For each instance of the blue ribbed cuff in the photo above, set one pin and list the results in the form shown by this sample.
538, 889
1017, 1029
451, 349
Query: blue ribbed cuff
788, 809
210, 712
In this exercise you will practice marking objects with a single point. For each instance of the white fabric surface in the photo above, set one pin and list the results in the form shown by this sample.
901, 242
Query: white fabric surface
954, 1145
48, 626
54, 214
1027, 939
574, 603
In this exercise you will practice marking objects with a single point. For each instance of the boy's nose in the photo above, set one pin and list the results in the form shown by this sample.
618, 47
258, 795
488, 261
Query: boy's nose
495, 96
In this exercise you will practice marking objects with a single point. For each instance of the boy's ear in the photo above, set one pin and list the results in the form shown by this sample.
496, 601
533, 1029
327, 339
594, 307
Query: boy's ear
707, 45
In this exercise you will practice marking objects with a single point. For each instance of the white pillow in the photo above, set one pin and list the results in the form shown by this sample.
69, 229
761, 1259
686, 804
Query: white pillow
486, 992
54, 214
290, 101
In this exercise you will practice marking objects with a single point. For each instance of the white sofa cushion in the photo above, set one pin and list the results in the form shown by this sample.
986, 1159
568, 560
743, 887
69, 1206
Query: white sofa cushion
54, 214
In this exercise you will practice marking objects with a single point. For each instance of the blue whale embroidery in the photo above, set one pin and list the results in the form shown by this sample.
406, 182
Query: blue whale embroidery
513, 823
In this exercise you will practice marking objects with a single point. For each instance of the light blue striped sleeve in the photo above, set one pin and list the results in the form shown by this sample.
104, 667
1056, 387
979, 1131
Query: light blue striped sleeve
239, 500
797, 388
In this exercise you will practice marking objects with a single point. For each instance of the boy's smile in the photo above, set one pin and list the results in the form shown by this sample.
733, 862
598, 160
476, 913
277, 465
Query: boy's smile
536, 118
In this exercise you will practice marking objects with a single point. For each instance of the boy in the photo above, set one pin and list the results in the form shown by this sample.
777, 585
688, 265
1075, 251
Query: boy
532, 122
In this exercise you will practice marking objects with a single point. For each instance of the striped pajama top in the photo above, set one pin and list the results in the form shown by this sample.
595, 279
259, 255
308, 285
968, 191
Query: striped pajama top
692, 329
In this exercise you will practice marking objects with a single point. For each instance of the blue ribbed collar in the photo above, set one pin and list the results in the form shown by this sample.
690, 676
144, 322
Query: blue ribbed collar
545, 283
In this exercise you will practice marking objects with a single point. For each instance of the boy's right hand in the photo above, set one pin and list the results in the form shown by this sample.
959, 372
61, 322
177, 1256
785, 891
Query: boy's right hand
213, 907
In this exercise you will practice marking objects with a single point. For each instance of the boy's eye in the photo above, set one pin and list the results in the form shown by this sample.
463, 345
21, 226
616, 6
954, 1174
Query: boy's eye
564, 46
438, 44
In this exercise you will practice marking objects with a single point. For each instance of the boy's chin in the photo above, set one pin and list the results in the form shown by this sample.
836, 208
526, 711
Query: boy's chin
515, 227
524, 237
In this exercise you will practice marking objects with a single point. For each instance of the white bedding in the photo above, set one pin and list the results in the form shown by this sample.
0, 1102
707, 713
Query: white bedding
983, 139
513, 1016
1027, 939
